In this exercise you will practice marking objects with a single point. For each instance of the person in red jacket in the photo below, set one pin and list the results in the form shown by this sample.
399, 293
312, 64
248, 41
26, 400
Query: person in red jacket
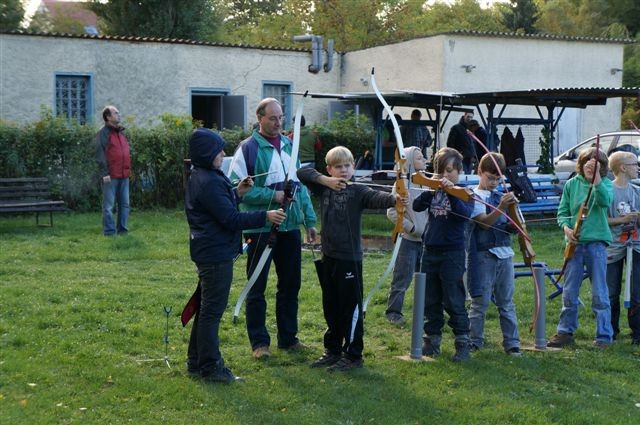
114, 160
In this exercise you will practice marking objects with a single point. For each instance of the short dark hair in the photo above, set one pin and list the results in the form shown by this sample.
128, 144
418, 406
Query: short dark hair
487, 164
446, 155
586, 155
106, 112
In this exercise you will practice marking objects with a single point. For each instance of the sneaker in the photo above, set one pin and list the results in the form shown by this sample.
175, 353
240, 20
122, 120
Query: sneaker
463, 352
430, 349
345, 364
223, 375
601, 345
473, 347
327, 359
298, 347
561, 340
261, 352
514, 352
395, 319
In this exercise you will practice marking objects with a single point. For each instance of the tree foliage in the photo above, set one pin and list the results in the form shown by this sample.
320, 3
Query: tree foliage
519, 16
67, 21
195, 19
11, 14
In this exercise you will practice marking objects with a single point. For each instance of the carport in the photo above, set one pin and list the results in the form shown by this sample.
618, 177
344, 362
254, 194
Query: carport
548, 104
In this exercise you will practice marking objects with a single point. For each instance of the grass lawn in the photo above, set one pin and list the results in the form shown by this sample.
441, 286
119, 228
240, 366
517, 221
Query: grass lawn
79, 314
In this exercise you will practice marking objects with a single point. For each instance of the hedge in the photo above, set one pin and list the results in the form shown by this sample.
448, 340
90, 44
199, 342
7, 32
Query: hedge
64, 151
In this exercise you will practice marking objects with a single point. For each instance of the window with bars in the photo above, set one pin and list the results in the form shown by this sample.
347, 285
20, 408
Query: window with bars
73, 97
281, 92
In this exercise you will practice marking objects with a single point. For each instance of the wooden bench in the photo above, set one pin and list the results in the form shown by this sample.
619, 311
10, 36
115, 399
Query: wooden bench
548, 193
28, 195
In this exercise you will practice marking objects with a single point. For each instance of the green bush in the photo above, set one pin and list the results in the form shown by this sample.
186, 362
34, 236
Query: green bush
64, 151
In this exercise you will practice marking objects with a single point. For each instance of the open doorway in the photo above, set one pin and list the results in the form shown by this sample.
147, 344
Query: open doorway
217, 109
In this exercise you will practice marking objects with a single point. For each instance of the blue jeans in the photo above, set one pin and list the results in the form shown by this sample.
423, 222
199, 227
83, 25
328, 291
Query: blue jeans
494, 276
204, 344
407, 262
116, 191
614, 283
593, 255
445, 289
286, 256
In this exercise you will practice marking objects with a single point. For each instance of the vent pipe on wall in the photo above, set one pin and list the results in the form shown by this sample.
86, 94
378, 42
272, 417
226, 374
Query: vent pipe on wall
316, 52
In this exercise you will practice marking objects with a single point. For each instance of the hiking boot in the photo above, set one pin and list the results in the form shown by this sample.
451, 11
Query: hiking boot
298, 347
463, 352
395, 319
223, 375
560, 340
431, 346
601, 345
261, 352
327, 359
514, 352
346, 364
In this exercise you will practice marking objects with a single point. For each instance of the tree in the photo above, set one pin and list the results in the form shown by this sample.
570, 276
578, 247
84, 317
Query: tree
195, 19
276, 28
11, 14
519, 16
67, 20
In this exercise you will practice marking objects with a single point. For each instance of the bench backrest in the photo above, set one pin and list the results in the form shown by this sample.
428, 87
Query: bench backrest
24, 188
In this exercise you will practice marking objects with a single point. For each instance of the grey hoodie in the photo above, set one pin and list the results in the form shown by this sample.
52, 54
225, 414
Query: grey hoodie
413, 223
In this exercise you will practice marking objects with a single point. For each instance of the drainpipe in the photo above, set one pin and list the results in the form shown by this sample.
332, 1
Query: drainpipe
316, 50
328, 65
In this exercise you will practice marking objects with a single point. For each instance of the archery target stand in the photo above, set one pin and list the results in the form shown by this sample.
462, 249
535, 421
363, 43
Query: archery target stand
165, 359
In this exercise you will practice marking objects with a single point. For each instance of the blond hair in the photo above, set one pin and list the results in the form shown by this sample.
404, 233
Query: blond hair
618, 159
338, 155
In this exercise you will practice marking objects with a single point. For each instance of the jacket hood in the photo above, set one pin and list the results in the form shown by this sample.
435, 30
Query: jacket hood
204, 146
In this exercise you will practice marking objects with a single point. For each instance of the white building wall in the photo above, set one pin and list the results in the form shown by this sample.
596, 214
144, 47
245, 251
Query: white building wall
500, 63
146, 79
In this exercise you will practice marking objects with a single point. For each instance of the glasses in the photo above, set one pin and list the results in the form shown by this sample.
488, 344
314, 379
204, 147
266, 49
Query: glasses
276, 119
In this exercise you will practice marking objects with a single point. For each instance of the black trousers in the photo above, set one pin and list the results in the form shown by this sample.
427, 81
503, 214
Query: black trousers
342, 306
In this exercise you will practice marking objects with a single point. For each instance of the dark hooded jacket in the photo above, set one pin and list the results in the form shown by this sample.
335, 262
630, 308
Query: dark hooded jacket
459, 141
211, 204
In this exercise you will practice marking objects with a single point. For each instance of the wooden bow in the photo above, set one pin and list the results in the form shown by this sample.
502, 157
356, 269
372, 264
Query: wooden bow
462, 193
583, 211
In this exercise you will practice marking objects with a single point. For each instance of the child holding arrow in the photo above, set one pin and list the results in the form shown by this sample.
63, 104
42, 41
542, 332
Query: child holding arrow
623, 221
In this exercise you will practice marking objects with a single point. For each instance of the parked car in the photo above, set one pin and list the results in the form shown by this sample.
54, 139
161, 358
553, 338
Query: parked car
627, 140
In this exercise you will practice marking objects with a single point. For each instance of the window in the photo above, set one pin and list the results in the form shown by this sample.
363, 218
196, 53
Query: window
280, 91
73, 97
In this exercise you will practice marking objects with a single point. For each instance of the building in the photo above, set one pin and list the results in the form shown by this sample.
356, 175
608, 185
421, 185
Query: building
220, 84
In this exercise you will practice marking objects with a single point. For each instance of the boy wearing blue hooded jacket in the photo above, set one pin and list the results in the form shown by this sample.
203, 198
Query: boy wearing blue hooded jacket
215, 225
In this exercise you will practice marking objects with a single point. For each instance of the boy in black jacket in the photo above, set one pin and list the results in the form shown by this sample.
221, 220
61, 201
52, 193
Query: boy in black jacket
341, 204
215, 225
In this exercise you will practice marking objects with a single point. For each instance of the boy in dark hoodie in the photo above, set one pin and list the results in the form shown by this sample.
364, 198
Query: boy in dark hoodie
215, 225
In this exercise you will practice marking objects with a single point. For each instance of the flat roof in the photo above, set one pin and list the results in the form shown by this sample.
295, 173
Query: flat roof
571, 97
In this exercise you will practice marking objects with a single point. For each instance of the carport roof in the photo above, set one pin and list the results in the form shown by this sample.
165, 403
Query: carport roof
572, 97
